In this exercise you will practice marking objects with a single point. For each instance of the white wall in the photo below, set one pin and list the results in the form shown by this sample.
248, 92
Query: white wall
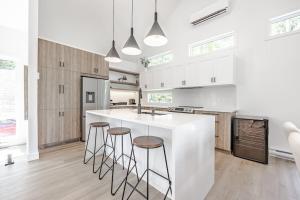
267, 70
32, 139
13, 30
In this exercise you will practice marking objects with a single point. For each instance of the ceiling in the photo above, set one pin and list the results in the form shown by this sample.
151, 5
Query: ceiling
88, 24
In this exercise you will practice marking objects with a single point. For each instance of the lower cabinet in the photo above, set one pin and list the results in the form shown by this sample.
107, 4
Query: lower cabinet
222, 129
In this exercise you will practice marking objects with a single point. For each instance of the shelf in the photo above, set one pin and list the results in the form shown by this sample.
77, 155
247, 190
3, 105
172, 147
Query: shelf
123, 71
125, 83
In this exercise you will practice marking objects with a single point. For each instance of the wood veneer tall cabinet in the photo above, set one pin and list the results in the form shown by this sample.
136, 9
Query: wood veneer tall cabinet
60, 68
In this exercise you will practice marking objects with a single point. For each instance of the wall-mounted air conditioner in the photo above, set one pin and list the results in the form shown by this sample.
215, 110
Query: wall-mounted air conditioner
210, 12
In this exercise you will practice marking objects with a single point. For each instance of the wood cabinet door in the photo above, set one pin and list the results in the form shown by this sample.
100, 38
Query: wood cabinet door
86, 60
75, 84
76, 133
52, 131
71, 58
42, 88
48, 54
42, 127
66, 125
104, 68
52, 88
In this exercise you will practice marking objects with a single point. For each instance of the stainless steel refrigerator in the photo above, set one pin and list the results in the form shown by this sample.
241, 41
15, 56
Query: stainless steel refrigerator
95, 95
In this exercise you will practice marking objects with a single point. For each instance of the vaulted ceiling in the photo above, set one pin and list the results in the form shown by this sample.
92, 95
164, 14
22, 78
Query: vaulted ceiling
88, 23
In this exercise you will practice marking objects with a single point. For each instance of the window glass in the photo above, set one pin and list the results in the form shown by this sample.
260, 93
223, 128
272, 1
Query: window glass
161, 59
285, 24
160, 97
211, 45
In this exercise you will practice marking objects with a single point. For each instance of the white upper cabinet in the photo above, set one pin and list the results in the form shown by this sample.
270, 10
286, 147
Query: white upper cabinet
224, 71
146, 80
198, 73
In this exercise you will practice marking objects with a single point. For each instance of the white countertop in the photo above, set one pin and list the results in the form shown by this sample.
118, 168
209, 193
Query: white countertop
168, 121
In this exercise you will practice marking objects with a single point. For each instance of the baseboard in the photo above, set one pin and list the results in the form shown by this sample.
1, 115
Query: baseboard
281, 154
33, 156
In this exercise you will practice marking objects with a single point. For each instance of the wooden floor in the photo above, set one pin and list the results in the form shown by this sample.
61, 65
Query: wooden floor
60, 174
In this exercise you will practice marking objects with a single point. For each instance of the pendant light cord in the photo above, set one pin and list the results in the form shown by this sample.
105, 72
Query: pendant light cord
155, 5
113, 20
131, 13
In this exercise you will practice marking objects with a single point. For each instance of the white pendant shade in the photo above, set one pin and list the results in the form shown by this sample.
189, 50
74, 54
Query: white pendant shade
112, 55
131, 47
156, 37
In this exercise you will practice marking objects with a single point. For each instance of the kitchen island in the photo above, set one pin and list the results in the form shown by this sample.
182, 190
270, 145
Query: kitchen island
189, 141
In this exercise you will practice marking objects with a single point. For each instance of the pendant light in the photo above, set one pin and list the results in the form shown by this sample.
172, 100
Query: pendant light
112, 55
131, 47
156, 36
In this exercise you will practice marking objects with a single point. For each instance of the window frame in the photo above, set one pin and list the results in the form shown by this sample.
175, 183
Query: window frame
160, 103
212, 39
161, 55
279, 19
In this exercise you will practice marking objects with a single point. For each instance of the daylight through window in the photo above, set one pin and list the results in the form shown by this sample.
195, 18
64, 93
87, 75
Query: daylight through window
213, 44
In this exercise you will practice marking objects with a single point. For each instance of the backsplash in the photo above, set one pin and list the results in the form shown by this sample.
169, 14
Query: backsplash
122, 95
218, 96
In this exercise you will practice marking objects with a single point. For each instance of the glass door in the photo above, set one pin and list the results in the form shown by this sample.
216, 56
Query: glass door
12, 130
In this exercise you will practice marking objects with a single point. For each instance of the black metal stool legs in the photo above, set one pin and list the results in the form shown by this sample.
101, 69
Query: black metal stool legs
94, 152
86, 149
134, 188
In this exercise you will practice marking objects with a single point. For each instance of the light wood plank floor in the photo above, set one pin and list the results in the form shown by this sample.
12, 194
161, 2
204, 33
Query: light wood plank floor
60, 174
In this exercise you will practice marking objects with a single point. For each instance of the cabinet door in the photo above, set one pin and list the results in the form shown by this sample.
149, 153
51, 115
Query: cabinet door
86, 59
199, 73
104, 68
48, 54
157, 75
76, 123
66, 125
178, 76
42, 127
42, 88
52, 133
224, 72
75, 84
146, 80
71, 58
53, 88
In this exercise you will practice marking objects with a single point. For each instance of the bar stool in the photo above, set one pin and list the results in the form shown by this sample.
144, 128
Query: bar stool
147, 142
95, 125
117, 131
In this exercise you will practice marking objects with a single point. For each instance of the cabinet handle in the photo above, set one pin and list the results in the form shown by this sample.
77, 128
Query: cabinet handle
59, 114
183, 82
59, 63
63, 64
63, 114
96, 70
59, 89
63, 89
211, 79
162, 84
214, 79
146, 86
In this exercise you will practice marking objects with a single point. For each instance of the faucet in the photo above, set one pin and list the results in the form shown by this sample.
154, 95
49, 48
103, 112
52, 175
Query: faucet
139, 103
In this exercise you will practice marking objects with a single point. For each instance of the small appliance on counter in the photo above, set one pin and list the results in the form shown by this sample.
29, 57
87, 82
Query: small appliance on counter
250, 138
119, 104
132, 102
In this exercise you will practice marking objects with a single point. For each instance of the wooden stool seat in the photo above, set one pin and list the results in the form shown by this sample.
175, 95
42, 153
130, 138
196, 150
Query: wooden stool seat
119, 131
99, 124
148, 142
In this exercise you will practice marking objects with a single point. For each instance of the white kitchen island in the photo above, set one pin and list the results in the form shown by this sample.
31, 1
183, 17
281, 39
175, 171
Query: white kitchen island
189, 141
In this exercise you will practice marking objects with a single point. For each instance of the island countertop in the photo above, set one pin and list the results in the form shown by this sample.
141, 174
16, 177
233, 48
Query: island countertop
167, 121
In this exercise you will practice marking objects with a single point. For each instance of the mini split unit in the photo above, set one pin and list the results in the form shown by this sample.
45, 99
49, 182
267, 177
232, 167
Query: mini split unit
219, 8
